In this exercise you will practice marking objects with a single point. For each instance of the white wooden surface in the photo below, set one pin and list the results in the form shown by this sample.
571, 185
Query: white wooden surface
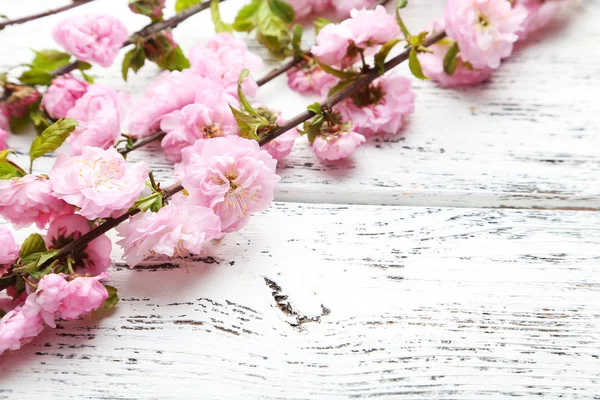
394, 274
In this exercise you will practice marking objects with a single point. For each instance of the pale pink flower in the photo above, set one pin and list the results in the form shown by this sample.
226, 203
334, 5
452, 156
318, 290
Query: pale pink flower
303, 8
47, 298
337, 145
311, 78
343, 7
281, 146
9, 250
84, 294
540, 13
485, 30
98, 114
366, 31
231, 175
94, 258
381, 108
98, 181
150, 8
62, 94
223, 59
209, 117
433, 67
17, 100
30, 199
170, 91
3, 138
176, 230
19, 327
91, 38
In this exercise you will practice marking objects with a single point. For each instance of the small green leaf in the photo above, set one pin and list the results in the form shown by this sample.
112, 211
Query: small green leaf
297, 39
283, 10
148, 202
415, 65
9, 171
451, 59
383, 53
315, 107
338, 73
49, 60
18, 124
175, 60
220, 26
33, 244
134, 59
246, 19
320, 23
88, 78
83, 66
39, 118
401, 4
339, 86
247, 123
52, 138
246, 106
36, 76
112, 298
272, 30
181, 5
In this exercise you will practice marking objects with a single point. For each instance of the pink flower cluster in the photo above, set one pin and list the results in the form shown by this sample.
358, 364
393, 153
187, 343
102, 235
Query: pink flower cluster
62, 94
304, 8
311, 78
337, 146
365, 31
91, 38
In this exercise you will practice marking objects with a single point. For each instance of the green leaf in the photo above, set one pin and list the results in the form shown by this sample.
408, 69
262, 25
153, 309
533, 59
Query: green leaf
320, 23
148, 203
339, 86
246, 19
36, 76
52, 138
18, 124
39, 118
33, 244
315, 107
181, 5
243, 99
338, 73
383, 53
415, 65
220, 26
175, 60
272, 30
283, 10
9, 171
134, 59
38, 274
451, 59
112, 298
82, 65
49, 60
401, 4
88, 78
297, 39
247, 123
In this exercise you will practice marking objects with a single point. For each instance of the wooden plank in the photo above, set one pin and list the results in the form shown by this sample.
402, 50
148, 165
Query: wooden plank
526, 139
326, 301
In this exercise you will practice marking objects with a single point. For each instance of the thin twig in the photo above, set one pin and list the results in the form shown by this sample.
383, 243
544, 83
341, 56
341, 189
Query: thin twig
362, 82
22, 20
148, 31
143, 141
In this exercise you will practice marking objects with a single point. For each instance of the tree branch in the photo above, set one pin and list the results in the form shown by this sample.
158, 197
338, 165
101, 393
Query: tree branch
22, 20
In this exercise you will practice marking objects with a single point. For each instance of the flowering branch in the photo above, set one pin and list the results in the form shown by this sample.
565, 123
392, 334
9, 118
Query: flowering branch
76, 3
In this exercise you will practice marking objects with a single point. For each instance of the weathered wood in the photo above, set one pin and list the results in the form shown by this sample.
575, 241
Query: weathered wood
333, 301
528, 138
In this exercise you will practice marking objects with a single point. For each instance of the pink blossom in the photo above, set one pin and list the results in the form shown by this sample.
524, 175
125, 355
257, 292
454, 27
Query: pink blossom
310, 77
540, 13
338, 145
19, 327
3, 138
485, 30
223, 59
170, 91
9, 250
209, 117
84, 294
91, 38
176, 230
98, 181
280, 147
18, 99
231, 175
366, 30
381, 108
4, 127
62, 94
303, 8
343, 7
94, 258
98, 114
30, 199
46, 300
433, 67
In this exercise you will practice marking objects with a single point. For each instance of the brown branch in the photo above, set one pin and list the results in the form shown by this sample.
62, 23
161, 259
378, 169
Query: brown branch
348, 91
143, 141
22, 20
148, 31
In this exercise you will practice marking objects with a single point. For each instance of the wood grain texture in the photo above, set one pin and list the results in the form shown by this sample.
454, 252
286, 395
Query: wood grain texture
318, 301
527, 139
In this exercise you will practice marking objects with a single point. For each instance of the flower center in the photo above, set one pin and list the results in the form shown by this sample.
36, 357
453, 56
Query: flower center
212, 131
371, 95
483, 21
